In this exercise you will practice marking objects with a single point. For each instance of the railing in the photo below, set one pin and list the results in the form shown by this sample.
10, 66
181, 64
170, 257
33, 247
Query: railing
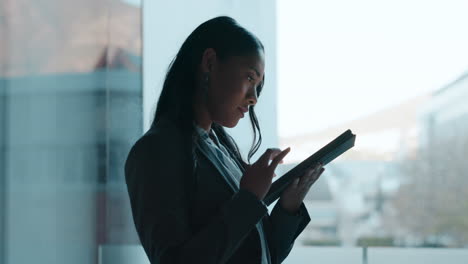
134, 254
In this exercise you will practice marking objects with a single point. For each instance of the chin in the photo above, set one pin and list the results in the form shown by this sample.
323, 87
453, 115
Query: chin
230, 123
229, 120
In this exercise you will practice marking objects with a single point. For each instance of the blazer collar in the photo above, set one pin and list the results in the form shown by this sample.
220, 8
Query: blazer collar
166, 120
227, 178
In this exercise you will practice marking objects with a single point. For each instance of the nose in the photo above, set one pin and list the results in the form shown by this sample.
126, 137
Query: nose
252, 99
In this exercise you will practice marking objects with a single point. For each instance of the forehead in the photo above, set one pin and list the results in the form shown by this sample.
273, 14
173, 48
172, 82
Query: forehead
255, 62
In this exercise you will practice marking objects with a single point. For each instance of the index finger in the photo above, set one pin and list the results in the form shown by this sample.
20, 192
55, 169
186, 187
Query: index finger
265, 158
278, 158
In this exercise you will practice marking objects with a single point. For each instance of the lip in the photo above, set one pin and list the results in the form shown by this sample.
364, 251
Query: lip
242, 113
243, 109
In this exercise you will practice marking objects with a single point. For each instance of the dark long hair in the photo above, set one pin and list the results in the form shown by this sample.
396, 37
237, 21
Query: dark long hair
227, 38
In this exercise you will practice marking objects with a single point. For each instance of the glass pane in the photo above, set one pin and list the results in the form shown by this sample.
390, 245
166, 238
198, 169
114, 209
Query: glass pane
70, 108
395, 73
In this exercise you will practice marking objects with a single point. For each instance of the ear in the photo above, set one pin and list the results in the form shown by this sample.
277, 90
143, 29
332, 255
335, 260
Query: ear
208, 60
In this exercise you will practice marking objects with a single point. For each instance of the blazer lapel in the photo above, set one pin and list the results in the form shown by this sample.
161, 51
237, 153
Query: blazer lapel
227, 178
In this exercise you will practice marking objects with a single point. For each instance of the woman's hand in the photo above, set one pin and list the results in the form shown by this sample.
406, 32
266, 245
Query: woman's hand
292, 197
259, 176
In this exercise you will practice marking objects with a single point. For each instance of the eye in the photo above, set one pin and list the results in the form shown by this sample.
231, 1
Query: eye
250, 78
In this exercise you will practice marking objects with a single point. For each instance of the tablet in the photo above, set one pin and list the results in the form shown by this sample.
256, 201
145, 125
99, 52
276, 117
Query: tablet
325, 155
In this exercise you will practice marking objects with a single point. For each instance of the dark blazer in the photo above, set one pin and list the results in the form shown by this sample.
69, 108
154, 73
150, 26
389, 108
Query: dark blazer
201, 218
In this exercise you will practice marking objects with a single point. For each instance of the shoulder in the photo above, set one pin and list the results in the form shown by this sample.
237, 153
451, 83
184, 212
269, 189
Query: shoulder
164, 141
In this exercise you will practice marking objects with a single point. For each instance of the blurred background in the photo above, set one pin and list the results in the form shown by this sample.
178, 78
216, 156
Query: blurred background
79, 82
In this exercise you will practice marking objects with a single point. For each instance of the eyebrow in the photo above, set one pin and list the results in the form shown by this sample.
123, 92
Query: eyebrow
256, 71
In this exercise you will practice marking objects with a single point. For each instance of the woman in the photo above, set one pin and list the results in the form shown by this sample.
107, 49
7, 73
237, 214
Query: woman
193, 197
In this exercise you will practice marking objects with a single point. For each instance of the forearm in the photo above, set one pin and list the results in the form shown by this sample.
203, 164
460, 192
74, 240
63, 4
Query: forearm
286, 227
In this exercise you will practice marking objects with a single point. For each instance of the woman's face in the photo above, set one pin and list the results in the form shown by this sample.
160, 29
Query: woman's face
232, 87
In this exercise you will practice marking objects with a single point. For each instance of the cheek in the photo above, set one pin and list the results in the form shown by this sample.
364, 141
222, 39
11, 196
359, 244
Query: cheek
224, 107
229, 92
225, 102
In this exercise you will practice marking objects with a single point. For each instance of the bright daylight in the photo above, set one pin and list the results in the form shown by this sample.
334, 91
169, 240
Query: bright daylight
188, 131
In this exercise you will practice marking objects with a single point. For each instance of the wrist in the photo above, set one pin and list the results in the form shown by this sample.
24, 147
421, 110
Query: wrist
291, 210
252, 195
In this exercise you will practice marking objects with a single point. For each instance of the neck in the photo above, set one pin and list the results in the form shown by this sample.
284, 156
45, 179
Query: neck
202, 116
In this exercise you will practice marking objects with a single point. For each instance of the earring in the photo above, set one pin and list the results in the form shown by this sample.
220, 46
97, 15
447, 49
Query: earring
206, 77
206, 82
